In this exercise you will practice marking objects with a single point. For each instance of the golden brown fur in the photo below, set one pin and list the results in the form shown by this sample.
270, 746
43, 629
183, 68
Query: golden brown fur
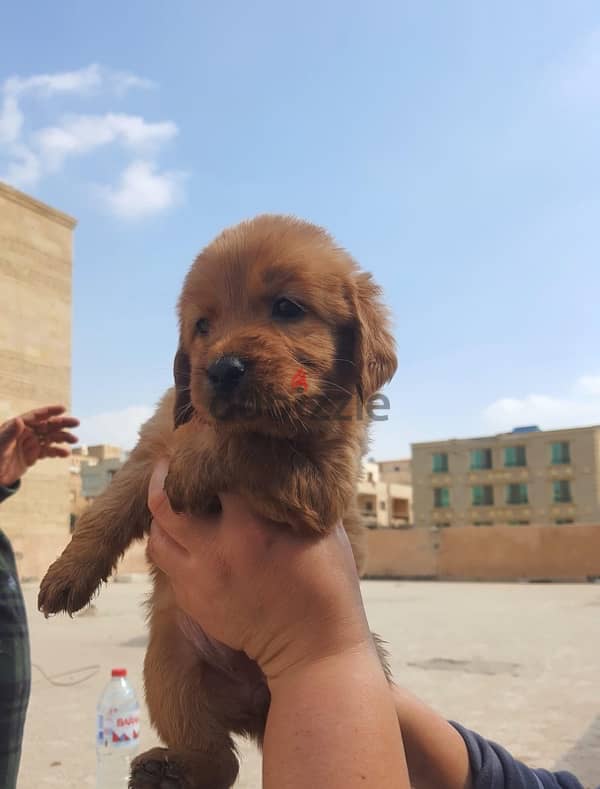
288, 438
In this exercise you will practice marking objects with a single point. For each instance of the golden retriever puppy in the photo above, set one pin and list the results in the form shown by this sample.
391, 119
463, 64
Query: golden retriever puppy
283, 344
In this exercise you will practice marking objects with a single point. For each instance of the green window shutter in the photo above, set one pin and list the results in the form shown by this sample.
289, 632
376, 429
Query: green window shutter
561, 491
439, 462
481, 458
441, 497
560, 453
515, 456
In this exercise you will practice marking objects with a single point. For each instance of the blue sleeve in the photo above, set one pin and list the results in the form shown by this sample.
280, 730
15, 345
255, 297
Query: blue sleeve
492, 767
8, 490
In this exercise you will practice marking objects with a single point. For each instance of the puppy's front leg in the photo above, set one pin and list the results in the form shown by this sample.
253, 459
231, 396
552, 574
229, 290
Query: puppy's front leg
102, 534
112, 522
195, 475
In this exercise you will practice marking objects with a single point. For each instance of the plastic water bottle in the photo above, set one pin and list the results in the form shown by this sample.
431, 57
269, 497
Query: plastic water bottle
117, 732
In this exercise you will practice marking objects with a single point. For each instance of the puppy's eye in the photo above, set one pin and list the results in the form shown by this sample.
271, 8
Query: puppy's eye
202, 326
285, 309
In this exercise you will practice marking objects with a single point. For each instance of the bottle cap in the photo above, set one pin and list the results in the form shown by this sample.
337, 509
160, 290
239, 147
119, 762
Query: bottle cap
119, 672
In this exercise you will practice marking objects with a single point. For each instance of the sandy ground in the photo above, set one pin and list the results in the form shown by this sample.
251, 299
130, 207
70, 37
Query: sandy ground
518, 663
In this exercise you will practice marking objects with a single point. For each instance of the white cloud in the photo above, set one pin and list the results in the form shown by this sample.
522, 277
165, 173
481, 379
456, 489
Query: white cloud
24, 168
589, 384
580, 406
119, 428
81, 134
11, 120
81, 81
143, 191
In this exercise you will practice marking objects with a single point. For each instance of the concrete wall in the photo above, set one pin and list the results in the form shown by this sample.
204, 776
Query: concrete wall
499, 553
403, 554
35, 363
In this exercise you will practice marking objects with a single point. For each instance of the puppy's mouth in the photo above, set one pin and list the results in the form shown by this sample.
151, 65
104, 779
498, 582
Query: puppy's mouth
224, 409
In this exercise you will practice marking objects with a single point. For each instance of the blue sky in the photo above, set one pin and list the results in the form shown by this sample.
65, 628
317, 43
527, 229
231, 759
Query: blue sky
451, 147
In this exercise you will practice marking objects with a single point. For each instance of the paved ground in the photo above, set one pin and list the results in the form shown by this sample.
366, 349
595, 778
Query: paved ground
519, 663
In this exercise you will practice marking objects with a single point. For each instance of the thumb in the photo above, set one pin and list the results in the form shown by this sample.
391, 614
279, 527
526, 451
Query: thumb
10, 431
156, 491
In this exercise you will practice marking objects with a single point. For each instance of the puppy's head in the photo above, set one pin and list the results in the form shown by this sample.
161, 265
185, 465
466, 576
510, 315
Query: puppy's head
278, 327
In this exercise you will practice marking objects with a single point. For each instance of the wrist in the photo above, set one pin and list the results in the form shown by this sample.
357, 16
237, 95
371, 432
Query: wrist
355, 651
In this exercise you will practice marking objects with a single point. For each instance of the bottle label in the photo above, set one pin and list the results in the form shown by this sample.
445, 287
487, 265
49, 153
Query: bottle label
115, 730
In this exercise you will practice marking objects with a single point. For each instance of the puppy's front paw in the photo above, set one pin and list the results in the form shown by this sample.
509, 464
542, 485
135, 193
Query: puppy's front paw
67, 587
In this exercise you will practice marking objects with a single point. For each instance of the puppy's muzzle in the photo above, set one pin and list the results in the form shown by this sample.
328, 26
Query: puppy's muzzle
226, 374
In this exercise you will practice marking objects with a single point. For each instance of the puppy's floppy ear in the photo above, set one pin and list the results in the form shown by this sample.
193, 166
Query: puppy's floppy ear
374, 346
183, 409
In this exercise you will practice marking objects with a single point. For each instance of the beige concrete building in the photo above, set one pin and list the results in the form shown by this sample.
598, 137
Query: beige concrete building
91, 471
524, 477
385, 494
35, 362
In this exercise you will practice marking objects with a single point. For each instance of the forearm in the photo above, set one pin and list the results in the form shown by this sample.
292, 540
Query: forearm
321, 735
435, 752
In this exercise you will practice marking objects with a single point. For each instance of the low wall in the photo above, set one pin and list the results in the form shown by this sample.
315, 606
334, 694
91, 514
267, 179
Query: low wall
467, 553
498, 553
398, 553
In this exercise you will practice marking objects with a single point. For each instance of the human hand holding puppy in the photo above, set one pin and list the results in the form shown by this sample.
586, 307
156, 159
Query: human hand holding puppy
294, 606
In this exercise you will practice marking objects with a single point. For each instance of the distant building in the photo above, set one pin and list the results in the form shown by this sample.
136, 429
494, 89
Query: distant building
385, 494
35, 363
91, 471
524, 477
95, 466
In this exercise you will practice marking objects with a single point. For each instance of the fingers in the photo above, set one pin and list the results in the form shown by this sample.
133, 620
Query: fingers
10, 431
176, 526
60, 437
157, 498
49, 451
58, 423
165, 552
47, 426
42, 414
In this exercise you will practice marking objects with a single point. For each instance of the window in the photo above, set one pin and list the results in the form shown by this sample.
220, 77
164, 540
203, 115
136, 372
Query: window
518, 523
370, 476
561, 491
517, 494
515, 456
561, 453
368, 505
482, 495
440, 462
441, 497
481, 458
382, 505
563, 521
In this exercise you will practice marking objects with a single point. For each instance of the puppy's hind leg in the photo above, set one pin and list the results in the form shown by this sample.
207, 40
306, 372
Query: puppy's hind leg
200, 752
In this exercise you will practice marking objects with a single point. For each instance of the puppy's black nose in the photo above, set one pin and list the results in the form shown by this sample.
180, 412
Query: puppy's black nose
226, 373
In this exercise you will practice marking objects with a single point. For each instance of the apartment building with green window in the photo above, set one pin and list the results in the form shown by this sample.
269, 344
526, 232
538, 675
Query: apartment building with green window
527, 476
